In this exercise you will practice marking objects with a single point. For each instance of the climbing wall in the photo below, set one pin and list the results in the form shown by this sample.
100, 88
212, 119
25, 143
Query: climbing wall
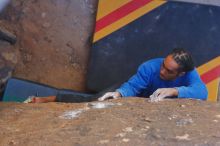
129, 32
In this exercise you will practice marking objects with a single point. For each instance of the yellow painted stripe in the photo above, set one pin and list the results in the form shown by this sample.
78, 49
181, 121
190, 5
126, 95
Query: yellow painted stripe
127, 19
209, 65
107, 6
213, 90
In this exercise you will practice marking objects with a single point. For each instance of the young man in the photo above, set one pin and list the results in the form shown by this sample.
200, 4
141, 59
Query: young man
173, 76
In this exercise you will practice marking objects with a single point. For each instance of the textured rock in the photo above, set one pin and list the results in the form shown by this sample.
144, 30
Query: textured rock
122, 124
54, 38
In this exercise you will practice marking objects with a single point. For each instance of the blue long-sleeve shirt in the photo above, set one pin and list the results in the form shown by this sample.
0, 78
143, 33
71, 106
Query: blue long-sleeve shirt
147, 80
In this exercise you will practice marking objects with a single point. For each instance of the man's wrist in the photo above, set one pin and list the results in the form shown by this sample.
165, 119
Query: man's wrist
118, 94
175, 92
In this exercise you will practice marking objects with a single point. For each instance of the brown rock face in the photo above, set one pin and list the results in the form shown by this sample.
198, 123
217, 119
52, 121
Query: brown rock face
53, 39
125, 122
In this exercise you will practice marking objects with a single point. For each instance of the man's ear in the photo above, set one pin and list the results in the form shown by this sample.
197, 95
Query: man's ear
182, 73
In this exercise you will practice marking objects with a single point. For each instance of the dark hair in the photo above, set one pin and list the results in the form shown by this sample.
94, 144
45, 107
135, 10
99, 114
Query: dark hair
183, 59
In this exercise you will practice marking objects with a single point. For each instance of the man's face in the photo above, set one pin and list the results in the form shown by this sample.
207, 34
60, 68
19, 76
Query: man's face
169, 69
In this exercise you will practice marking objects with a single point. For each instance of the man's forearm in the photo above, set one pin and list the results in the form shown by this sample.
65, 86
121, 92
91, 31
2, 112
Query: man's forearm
175, 92
197, 92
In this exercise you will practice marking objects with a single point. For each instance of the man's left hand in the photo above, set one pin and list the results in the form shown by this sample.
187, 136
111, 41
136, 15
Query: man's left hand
161, 93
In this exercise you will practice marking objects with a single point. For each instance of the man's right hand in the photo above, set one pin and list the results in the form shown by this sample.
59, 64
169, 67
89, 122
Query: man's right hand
114, 95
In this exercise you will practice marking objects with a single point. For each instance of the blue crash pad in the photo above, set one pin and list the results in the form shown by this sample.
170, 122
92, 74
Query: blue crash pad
18, 90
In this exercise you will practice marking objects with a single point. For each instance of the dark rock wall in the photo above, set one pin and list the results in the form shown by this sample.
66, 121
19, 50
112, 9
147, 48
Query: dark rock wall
8, 60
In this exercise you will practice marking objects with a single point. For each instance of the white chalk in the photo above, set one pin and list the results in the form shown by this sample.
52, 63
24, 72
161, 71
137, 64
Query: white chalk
100, 105
71, 114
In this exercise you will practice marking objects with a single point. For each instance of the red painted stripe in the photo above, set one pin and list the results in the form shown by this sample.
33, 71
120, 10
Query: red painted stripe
211, 75
119, 13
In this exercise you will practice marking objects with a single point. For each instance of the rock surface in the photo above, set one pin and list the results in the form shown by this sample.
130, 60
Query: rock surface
53, 40
130, 122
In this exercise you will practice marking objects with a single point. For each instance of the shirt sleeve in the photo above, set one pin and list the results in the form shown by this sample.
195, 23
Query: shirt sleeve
137, 83
195, 89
